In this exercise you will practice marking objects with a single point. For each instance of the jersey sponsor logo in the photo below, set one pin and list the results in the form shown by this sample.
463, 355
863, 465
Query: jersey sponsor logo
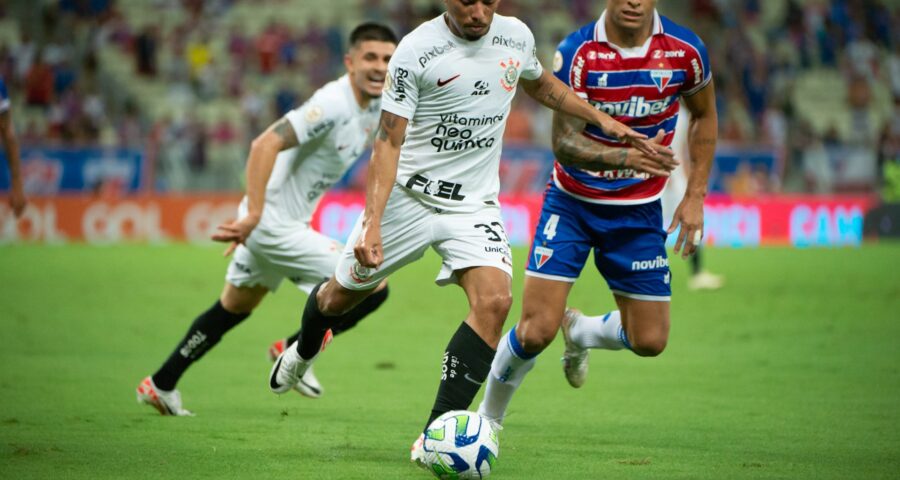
510, 74
576, 72
450, 138
436, 51
557, 61
634, 107
435, 188
698, 73
618, 174
509, 43
541, 255
318, 189
657, 54
441, 83
242, 268
605, 56
481, 88
661, 78
658, 262
399, 84
455, 119
195, 341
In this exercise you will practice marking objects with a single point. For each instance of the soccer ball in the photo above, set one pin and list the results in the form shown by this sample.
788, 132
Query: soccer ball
460, 445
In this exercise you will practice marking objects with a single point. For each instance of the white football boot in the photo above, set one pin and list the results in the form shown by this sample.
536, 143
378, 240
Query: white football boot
289, 368
165, 402
575, 358
309, 385
417, 452
706, 281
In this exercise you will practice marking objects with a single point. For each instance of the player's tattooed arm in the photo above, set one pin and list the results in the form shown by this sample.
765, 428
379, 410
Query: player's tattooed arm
553, 93
382, 174
572, 148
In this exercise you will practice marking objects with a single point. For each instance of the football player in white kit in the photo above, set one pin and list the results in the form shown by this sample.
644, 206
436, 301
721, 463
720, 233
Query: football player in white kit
289, 168
446, 102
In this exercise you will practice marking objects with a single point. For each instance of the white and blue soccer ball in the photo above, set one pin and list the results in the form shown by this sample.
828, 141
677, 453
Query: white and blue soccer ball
461, 445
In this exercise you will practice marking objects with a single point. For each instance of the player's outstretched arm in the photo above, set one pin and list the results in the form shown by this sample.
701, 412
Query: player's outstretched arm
382, 174
551, 92
263, 152
11, 145
703, 131
572, 148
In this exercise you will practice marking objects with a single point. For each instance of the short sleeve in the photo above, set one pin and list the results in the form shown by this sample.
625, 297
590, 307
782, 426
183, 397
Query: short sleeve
533, 68
699, 72
315, 118
568, 62
401, 89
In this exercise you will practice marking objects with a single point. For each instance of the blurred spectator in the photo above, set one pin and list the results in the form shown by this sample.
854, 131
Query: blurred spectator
145, 47
39, 83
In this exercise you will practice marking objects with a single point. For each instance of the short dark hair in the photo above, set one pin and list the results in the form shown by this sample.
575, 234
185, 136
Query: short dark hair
372, 31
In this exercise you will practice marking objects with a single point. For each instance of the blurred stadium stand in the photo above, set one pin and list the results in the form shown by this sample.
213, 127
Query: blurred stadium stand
174, 90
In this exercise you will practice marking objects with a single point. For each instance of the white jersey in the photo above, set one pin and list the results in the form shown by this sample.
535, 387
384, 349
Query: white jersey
456, 95
333, 131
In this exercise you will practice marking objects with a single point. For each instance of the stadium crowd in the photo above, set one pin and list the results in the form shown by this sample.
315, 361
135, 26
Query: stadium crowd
778, 66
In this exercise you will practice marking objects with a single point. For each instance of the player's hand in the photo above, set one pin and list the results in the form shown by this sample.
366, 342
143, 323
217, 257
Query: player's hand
624, 133
660, 163
368, 249
689, 215
235, 232
17, 201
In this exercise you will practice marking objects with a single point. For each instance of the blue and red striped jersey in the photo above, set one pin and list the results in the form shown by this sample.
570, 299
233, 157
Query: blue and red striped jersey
637, 86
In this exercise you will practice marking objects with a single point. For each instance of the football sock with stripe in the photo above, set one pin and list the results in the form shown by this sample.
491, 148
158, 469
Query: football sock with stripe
350, 319
605, 332
508, 370
467, 361
203, 334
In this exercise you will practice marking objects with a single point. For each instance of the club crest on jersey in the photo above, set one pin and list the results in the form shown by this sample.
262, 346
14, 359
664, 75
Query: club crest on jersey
359, 273
541, 255
661, 78
510, 74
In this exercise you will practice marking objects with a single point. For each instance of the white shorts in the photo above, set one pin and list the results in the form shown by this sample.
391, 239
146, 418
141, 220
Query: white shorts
303, 256
408, 228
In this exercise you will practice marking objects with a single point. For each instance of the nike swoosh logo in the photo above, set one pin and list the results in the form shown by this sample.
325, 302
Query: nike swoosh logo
273, 384
467, 377
441, 83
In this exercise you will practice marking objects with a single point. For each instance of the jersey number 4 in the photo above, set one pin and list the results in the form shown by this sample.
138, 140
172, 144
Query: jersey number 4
550, 227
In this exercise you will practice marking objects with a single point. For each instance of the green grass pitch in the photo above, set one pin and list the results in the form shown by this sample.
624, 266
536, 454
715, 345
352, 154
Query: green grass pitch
792, 371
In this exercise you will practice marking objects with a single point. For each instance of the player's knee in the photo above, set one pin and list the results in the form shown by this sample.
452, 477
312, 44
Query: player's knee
493, 305
649, 346
534, 333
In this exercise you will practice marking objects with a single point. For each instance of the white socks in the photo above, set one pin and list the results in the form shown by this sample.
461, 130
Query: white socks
510, 365
599, 332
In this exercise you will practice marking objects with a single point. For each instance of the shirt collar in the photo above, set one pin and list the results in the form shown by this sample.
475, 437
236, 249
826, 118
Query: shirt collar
600, 27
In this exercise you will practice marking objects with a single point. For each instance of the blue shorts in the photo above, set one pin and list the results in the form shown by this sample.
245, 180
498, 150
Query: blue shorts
629, 244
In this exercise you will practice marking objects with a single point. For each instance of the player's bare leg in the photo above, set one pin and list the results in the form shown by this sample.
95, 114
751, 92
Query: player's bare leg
469, 353
543, 304
646, 324
242, 299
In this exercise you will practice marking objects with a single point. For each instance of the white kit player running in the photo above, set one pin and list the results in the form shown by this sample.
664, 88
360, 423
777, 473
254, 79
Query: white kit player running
451, 82
290, 167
